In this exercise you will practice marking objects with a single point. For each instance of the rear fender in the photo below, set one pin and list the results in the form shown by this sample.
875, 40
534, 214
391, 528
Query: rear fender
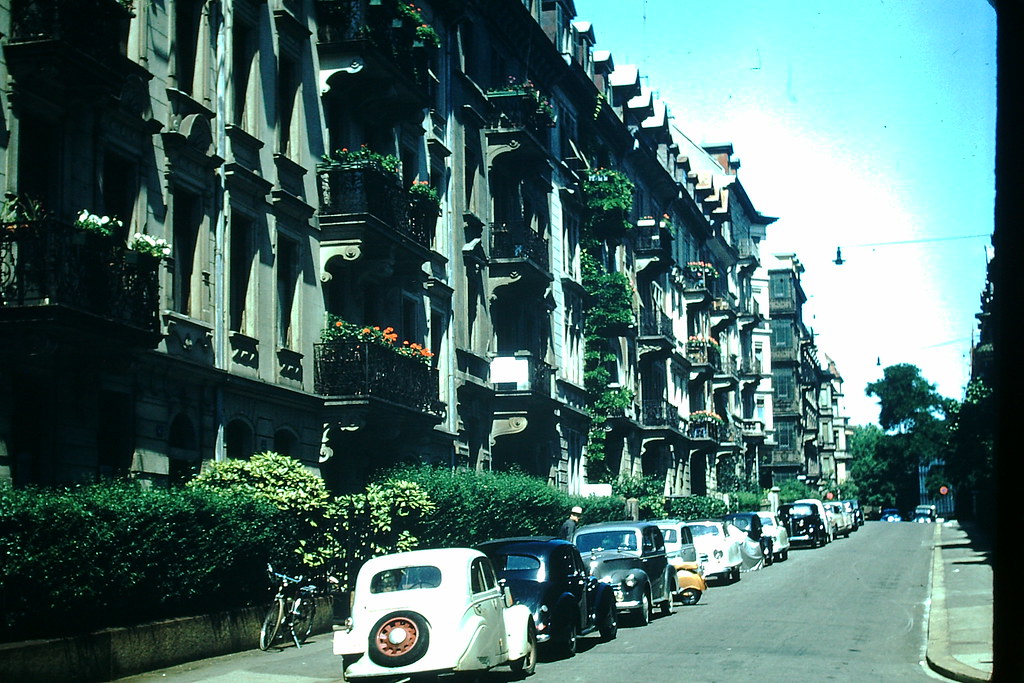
518, 620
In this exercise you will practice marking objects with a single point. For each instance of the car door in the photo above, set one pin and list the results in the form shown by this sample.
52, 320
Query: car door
687, 551
488, 603
582, 587
655, 560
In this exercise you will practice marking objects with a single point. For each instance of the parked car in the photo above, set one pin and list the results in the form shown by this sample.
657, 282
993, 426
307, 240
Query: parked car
843, 520
805, 524
853, 507
433, 611
830, 523
777, 531
929, 511
682, 554
549, 576
631, 558
723, 551
750, 524
891, 515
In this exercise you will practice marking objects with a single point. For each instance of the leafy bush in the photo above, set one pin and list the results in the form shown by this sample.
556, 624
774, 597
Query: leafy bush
284, 482
694, 507
377, 522
111, 554
745, 501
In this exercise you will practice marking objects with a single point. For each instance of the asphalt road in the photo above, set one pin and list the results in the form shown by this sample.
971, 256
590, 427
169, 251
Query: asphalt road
855, 610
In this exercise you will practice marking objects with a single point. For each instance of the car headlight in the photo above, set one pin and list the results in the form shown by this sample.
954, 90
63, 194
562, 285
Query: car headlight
605, 579
541, 618
630, 581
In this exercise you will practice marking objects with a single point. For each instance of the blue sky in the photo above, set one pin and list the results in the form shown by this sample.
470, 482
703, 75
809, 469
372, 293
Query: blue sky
858, 124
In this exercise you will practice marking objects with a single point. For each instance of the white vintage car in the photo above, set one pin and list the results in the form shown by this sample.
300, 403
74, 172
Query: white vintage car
433, 611
724, 551
775, 530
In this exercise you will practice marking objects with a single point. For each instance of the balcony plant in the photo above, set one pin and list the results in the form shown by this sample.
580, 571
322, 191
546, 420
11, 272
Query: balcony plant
702, 342
706, 417
90, 223
363, 157
338, 329
609, 200
700, 269
152, 246
541, 104
19, 212
424, 199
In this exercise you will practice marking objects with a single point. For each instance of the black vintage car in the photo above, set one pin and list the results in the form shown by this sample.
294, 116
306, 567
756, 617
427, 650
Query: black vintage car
804, 524
631, 558
549, 576
750, 522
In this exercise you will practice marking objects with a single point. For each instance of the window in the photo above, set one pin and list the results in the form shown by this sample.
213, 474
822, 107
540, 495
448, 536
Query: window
405, 578
780, 286
119, 190
187, 18
782, 382
244, 49
782, 334
287, 285
784, 434
240, 271
287, 91
185, 225
482, 576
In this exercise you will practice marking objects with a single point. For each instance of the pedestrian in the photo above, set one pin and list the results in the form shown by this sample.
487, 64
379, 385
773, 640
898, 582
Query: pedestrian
569, 526
631, 510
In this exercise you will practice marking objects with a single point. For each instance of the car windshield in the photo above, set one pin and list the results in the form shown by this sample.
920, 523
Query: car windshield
802, 510
670, 535
890, 511
606, 540
405, 578
704, 529
517, 566
767, 521
741, 522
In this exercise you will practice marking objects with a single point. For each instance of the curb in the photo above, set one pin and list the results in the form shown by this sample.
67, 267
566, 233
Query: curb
937, 652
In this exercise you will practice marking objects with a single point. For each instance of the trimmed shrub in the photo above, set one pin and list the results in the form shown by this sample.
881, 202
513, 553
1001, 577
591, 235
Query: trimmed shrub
694, 507
110, 554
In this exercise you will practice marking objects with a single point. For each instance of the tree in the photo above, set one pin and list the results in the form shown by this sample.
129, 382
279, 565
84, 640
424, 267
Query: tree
971, 463
916, 420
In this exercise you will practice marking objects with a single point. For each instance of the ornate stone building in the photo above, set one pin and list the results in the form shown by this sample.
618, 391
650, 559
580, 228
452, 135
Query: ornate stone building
453, 232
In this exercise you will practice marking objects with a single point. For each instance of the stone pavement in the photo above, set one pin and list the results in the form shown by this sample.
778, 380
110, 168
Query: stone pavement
960, 621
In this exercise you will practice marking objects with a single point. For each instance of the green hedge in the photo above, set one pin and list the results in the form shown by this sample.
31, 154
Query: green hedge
110, 554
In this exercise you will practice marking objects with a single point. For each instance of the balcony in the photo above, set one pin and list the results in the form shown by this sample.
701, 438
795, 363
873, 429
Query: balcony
365, 210
78, 44
657, 338
519, 255
723, 312
659, 415
704, 359
53, 274
352, 373
521, 123
521, 375
704, 433
652, 244
725, 373
373, 58
753, 430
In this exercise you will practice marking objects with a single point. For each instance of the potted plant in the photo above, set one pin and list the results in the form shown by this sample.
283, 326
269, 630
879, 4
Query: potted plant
142, 243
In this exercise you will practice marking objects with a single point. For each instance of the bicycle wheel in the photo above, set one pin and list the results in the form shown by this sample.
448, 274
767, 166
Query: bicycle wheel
271, 624
302, 620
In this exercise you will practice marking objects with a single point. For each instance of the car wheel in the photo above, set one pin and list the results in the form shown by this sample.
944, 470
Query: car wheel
569, 644
610, 624
527, 664
646, 611
690, 596
398, 639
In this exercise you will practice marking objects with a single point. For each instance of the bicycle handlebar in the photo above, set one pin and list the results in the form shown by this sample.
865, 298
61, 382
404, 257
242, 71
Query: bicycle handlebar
284, 577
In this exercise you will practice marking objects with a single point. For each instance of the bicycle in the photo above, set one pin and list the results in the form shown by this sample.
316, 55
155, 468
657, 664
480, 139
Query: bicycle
294, 609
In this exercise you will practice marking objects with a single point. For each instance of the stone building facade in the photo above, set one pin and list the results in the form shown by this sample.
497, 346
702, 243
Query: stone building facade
454, 232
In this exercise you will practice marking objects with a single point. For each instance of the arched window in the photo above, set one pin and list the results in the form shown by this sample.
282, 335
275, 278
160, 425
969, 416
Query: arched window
286, 443
238, 440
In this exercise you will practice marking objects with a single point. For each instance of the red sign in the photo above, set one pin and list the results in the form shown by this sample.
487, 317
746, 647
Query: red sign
829, 496
943, 490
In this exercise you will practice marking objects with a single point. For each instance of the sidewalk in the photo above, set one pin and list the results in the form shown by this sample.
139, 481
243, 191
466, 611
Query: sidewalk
960, 620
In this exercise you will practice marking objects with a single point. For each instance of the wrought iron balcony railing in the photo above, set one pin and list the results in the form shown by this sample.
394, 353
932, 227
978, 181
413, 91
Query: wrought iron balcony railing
705, 430
661, 413
518, 241
52, 264
96, 27
511, 374
361, 370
